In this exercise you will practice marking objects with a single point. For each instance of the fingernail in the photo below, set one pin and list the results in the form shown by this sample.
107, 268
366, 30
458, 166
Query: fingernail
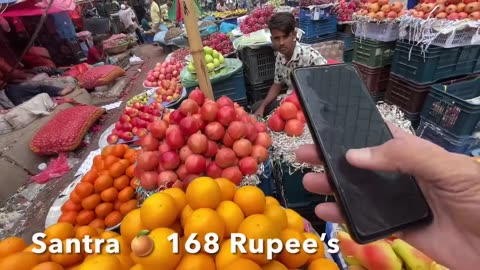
360, 154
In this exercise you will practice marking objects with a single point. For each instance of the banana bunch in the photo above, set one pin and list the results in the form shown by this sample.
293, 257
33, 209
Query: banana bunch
230, 13
386, 254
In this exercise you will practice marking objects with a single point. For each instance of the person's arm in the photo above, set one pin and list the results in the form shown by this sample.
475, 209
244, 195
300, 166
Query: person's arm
274, 90
273, 93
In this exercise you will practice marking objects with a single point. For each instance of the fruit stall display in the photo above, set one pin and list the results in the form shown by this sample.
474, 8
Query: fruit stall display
390, 253
141, 98
452, 10
219, 42
257, 20
288, 117
180, 54
214, 60
345, 9
167, 70
106, 193
230, 13
133, 122
168, 92
201, 137
381, 10
207, 206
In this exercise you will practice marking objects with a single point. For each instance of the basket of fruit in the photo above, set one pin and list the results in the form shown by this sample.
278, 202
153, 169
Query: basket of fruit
117, 49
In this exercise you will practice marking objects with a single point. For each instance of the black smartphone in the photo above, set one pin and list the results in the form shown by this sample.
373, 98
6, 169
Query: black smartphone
341, 116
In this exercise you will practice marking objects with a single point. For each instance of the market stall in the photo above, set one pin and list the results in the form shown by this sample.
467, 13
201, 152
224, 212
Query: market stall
178, 164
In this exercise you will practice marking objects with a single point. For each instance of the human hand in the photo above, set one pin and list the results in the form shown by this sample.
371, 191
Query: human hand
259, 112
450, 183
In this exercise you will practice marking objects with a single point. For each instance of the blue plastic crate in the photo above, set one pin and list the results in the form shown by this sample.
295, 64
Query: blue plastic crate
318, 28
233, 87
306, 14
319, 39
347, 38
441, 137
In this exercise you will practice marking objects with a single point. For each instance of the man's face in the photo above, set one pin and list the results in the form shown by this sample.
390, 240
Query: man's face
283, 43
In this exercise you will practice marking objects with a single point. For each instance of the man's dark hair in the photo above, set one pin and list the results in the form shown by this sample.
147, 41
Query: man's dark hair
282, 21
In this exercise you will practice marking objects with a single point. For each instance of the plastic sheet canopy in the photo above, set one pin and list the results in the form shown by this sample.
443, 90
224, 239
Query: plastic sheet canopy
30, 8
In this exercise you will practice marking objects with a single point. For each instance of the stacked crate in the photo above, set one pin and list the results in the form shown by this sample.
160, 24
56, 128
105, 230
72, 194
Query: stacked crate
316, 31
415, 70
374, 47
451, 116
259, 68
349, 42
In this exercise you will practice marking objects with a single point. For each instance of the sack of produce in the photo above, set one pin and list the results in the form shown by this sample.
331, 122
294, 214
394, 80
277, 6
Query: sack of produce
65, 131
99, 76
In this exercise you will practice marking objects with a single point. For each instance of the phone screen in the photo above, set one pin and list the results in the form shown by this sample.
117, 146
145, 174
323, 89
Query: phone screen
342, 115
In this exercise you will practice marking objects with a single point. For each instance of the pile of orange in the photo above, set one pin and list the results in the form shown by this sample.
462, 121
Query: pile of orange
218, 206
15, 254
106, 193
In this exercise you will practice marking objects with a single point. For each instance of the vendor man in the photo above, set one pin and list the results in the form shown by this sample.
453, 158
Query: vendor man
290, 55
12, 93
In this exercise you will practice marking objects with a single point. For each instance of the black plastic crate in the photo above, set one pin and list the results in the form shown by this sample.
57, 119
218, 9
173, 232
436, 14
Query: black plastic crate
376, 79
451, 107
289, 188
259, 64
412, 62
348, 56
257, 92
443, 138
410, 96
347, 38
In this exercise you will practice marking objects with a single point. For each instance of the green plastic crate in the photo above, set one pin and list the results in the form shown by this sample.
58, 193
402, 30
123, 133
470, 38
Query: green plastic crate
413, 63
373, 53
348, 56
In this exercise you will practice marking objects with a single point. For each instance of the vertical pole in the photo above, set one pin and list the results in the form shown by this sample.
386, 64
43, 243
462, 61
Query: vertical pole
190, 19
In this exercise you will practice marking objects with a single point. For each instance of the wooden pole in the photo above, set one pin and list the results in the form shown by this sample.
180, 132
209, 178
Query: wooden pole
190, 18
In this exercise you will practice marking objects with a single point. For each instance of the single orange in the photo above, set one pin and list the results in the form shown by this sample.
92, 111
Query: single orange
107, 150
129, 171
110, 160
126, 207
103, 209
71, 206
83, 231
117, 169
98, 163
90, 202
124, 162
103, 182
98, 223
119, 150
84, 217
11, 245
134, 183
84, 189
131, 155
126, 194
90, 176
74, 197
114, 218
68, 216
121, 182
109, 194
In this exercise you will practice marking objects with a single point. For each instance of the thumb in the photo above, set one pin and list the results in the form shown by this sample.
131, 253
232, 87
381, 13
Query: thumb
407, 155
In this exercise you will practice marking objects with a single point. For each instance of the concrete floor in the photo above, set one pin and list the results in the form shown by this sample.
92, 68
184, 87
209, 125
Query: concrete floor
24, 213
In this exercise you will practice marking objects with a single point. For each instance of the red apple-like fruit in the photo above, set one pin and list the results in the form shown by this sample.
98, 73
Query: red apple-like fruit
112, 139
